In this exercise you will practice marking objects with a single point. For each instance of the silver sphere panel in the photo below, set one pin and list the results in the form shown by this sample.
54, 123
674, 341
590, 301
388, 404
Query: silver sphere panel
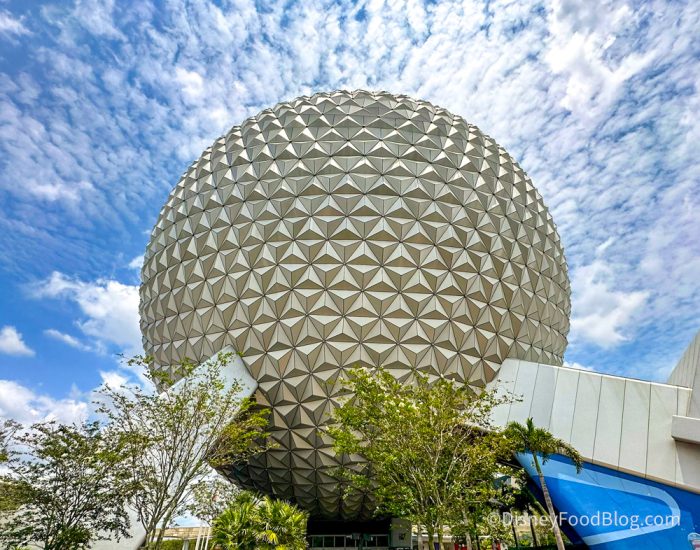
343, 229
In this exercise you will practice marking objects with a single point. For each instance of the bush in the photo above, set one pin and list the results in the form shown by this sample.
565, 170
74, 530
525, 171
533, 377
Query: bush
260, 523
172, 544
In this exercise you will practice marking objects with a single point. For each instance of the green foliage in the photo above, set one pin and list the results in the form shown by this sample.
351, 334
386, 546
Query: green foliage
210, 497
174, 438
260, 523
282, 525
538, 442
429, 451
541, 444
236, 527
10, 496
171, 545
70, 484
8, 428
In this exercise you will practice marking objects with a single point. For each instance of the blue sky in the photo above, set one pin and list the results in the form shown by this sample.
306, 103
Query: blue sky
104, 104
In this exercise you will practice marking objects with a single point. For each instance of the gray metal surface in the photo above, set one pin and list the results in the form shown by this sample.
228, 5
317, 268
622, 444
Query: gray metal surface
351, 228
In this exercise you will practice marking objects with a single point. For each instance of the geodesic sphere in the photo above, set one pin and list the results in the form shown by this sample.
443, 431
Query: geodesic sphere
351, 228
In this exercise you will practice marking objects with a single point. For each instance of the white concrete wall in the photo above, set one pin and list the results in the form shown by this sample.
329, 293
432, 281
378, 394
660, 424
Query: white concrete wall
617, 422
131, 543
687, 374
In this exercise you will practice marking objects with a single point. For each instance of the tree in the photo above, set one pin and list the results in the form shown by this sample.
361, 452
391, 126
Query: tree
282, 525
428, 449
540, 444
260, 523
491, 518
8, 428
526, 503
9, 495
176, 436
210, 497
236, 527
71, 486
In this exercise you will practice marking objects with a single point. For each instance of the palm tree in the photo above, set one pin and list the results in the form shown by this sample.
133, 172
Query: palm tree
235, 528
252, 523
539, 443
282, 525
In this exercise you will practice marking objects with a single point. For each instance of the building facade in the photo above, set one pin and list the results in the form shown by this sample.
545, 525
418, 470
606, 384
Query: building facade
367, 228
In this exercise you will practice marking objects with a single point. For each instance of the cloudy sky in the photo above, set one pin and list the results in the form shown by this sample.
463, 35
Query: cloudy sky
103, 105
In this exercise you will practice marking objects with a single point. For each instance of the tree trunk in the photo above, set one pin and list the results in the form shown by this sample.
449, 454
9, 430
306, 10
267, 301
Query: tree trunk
550, 506
535, 542
441, 536
431, 537
419, 536
515, 533
469, 541
476, 533
159, 540
151, 535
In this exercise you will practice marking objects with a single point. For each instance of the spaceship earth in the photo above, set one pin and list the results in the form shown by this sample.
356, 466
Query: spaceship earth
344, 229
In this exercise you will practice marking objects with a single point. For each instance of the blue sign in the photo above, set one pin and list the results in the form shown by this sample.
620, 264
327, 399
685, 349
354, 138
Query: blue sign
611, 510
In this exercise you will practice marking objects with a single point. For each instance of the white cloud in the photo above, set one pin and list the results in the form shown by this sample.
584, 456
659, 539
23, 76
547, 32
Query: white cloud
9, 26
97, 17
59, 191
596, 100
137, 262
72, 341
581, 37
600, 314
29, 406
12, 343
26, 406
110, 309
113, 379
671, 254
191, 82
575, 365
